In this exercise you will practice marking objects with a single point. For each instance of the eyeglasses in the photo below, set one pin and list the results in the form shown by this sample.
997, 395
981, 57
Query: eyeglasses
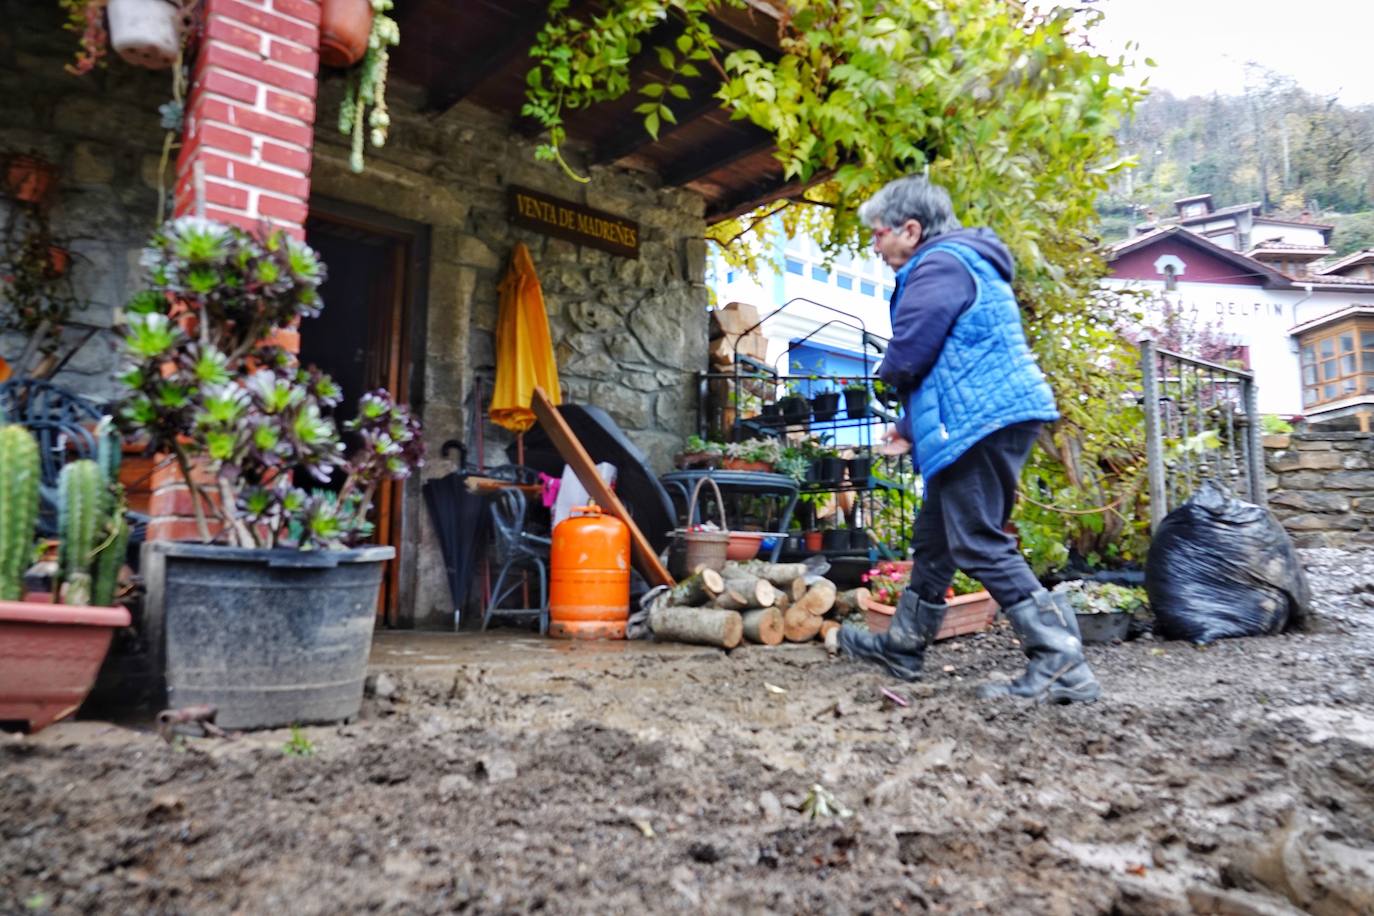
879, 232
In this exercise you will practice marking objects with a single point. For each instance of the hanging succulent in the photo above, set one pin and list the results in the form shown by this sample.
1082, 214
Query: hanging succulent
87, 18
367, 87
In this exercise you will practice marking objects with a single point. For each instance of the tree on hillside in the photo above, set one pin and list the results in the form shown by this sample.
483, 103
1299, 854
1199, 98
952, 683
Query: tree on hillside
1276, 144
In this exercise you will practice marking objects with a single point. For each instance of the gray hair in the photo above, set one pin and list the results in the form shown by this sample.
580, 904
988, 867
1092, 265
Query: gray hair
912, 197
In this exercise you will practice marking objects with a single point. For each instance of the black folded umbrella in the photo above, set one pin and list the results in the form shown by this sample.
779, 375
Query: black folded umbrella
460, 521
635, 483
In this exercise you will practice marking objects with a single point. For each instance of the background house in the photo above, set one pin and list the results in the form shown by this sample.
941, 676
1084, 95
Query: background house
1265, 288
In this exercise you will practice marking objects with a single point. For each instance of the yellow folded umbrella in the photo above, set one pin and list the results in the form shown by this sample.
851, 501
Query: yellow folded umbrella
524, 352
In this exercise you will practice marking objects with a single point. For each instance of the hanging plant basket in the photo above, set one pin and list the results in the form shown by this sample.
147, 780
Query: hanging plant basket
145, 33
344, 28
29, 178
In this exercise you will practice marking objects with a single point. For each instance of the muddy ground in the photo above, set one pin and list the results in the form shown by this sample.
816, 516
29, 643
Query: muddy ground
1236, 779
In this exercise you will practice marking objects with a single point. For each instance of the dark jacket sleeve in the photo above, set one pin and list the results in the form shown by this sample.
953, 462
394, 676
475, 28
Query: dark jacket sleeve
935, 295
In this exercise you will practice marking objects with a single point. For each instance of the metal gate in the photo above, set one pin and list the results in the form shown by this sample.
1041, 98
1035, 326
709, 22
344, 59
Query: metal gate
1201, 421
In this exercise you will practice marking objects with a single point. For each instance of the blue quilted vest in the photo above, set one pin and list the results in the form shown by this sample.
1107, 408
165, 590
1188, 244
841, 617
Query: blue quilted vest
985, 377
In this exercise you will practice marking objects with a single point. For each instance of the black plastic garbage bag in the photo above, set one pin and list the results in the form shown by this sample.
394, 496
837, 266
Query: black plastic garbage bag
1221, 567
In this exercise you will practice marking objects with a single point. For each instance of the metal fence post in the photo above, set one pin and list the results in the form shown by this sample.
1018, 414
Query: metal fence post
1154, 434
1259, 493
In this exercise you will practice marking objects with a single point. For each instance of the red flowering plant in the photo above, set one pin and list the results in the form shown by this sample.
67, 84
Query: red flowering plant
887, 581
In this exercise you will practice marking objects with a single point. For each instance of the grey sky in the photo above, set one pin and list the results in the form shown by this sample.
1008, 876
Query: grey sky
1201, 46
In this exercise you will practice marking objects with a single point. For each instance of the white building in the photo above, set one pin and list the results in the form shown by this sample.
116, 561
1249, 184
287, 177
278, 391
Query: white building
826, 309
1302, 323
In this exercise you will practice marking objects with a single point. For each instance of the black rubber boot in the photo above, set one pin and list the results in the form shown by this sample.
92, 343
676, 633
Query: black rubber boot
902, 649
1057, 673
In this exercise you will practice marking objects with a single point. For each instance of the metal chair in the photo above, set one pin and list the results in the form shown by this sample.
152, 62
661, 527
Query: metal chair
516, 548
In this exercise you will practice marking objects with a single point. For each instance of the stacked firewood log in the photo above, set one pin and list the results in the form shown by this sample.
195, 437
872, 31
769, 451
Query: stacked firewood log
757, 602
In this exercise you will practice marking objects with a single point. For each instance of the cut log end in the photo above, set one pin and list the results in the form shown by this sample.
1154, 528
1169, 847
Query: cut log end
763, 626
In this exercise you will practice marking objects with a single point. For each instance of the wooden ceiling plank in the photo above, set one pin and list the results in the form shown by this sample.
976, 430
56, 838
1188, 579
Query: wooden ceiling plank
451, 88
715, 158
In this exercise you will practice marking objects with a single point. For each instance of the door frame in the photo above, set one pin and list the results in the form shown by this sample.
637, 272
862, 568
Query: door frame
414, 304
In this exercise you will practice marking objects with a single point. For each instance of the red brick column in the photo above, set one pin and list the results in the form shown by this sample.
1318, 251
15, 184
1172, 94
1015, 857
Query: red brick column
251, 113
249, 132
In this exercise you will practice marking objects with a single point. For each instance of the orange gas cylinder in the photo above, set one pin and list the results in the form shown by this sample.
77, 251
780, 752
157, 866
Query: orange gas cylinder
589, 576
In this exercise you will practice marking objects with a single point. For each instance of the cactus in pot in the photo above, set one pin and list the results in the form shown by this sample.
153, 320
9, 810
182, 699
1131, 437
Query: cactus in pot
92, 525
19, 475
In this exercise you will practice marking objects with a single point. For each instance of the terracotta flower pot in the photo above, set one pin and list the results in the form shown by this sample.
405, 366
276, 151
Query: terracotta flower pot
967, 614
813, 540
59, 259
29, 178
49, 657
145, 33
739, 464
344, 28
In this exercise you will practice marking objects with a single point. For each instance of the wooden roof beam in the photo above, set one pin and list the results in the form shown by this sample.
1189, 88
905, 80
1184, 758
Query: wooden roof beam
633, 137
716, 157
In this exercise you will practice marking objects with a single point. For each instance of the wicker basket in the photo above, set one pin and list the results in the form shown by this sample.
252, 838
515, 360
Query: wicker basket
693, 549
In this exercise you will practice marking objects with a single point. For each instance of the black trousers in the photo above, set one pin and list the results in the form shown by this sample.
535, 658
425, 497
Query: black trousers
960, 522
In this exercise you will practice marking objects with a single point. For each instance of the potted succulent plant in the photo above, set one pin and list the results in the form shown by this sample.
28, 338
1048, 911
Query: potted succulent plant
52, 643
700, 453
146, 33
752, 455
270, 617
344, 29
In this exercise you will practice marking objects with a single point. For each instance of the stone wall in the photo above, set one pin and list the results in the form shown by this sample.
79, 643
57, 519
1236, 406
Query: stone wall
1321, 486
102, 132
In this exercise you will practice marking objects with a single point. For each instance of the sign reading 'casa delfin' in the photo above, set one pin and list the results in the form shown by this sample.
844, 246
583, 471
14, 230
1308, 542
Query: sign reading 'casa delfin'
574, 222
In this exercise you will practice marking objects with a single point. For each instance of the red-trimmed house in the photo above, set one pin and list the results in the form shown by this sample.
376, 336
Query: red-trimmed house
1305, 331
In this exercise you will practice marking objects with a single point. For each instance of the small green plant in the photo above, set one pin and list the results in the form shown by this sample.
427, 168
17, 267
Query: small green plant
19, 476
854, 384
696, 445
298, 745
1274, 425
965, 584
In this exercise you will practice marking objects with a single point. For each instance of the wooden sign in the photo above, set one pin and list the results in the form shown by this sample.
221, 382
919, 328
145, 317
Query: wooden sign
574, 222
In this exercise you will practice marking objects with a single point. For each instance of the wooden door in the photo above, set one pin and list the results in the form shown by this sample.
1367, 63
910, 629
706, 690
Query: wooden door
362, 338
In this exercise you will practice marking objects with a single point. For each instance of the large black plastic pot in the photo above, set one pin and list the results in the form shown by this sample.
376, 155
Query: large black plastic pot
269, 637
